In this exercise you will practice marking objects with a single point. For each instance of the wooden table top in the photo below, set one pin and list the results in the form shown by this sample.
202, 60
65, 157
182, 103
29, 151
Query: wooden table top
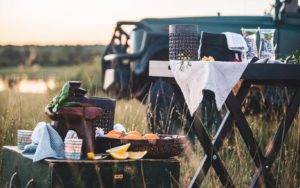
15, 149
264, 74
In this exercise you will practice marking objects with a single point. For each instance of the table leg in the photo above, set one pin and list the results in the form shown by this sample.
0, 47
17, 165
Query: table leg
209, 148
225, 127
89, 139
247, 135
274, 148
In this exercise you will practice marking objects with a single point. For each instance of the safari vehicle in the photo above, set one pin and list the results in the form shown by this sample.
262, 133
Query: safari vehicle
125, 62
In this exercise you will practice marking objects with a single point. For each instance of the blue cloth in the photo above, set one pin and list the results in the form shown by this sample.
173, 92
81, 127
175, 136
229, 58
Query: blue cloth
46, 143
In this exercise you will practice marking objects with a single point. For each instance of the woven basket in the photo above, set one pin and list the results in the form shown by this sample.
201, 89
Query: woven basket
156, 148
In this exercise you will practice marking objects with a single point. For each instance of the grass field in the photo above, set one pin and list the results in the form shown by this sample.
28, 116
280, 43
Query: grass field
24, 110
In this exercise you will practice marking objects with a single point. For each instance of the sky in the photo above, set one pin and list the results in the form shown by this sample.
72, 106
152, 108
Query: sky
89, 22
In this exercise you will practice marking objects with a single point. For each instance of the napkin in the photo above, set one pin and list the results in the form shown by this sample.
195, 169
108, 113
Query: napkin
219, 77
268, 61
46, 143
236, 42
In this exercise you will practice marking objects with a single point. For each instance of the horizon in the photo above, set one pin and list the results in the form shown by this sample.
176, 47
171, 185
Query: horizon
61, 23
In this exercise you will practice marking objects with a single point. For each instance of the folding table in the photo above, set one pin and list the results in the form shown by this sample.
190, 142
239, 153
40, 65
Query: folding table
258, 74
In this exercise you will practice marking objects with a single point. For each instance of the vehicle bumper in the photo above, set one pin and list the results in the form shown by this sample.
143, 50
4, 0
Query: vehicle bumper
115, 77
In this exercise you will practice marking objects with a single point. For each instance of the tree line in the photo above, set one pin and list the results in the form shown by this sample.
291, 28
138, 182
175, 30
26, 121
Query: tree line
48, 55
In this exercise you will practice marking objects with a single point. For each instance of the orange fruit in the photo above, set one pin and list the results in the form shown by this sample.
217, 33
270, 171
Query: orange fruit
150, 136
132, 136
113, 136
114, 132
136, 134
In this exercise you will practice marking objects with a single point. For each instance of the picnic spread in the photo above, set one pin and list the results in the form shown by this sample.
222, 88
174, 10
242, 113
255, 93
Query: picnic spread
83, 132
94, 127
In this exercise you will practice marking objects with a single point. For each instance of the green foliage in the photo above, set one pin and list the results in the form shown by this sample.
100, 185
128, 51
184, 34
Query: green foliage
294, 58
182, 65
58, 101
268, 36
49, 55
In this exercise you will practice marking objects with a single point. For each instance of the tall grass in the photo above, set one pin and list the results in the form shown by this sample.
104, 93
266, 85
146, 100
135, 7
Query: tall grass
24, 111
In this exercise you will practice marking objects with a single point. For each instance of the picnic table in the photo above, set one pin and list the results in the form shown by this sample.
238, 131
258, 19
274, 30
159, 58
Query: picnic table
258, 74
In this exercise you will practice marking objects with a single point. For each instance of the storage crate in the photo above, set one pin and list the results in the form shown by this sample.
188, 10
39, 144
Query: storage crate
151, 173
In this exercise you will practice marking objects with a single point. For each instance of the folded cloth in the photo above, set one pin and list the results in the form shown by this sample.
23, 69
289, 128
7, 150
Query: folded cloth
219, 77
236, 42
99, 133
268, 61
46, 143
71, 134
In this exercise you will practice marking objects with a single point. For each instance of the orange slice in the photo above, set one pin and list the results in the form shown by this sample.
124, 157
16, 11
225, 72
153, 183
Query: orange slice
150, 136
119, 156
119, 149
91, 155
135, 133
132, 136
136, 155
114, 132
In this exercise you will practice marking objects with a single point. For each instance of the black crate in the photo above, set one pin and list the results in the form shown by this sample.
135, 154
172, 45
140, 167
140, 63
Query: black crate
106, 122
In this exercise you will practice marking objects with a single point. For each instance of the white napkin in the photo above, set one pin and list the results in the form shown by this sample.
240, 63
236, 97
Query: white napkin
236, 42
219, 77
268, 61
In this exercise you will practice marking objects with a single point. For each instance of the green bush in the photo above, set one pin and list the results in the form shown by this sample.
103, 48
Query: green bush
48, 55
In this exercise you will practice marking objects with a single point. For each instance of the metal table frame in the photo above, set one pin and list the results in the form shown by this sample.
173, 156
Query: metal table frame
259, 74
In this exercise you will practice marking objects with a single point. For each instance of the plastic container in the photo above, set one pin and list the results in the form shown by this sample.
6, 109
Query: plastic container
250, 38
266, 44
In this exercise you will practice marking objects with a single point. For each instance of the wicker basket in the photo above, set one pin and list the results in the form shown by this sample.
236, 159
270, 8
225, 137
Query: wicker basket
156, 148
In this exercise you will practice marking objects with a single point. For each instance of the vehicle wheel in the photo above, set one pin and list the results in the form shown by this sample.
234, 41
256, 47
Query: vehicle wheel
163, 112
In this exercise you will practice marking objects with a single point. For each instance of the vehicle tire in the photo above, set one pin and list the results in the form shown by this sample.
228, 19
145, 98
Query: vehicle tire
164, 112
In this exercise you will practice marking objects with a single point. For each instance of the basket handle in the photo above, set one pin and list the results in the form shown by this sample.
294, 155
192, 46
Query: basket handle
30, 181
12, 178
